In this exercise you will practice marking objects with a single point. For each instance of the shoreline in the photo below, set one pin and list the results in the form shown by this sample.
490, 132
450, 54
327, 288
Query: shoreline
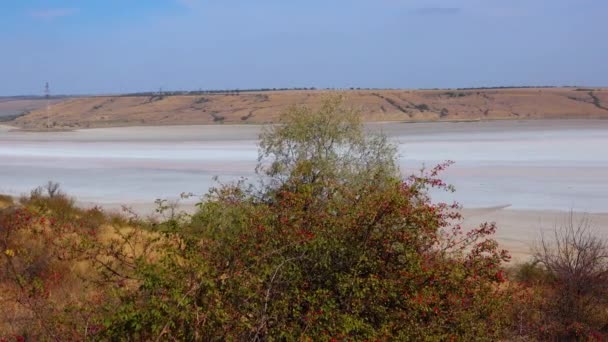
14, 128
519, 229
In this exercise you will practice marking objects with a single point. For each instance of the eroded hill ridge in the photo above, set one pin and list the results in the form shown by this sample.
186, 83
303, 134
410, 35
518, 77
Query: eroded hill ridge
375, 105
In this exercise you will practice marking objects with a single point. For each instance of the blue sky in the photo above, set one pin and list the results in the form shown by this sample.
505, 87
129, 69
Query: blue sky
114, 46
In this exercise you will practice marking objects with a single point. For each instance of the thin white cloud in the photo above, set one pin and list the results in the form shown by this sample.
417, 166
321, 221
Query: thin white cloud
53, 13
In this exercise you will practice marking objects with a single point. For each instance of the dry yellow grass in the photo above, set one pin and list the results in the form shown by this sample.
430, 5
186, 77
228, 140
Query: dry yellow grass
375, 105
5, 201
73, 274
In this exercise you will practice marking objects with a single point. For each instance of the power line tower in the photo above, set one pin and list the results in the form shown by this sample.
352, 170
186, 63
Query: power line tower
47, 95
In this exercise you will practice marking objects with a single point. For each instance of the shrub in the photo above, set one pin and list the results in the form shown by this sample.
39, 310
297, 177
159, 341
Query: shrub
247, 117
62, 268
578, 260
530, 273
43, 296
422, 107
332, 244
564, 293
201, 100
217, 117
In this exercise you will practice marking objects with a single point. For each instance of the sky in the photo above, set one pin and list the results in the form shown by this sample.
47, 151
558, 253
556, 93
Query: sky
118, 46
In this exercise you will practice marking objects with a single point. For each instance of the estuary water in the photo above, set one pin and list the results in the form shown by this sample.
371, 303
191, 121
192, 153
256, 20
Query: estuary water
533, 165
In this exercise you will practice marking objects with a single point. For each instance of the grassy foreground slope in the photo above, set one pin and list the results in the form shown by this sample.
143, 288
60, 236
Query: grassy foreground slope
375, 105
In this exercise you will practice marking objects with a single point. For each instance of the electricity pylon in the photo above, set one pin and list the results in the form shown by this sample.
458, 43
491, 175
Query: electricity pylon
47, 95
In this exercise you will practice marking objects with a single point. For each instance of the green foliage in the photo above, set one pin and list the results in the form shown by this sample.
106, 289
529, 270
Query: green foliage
530, 273
332, 245
328, 145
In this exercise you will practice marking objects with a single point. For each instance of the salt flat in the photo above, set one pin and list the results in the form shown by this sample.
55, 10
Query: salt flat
532, 167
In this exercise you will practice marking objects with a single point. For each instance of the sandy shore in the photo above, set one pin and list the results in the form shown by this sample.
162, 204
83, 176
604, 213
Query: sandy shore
519, 230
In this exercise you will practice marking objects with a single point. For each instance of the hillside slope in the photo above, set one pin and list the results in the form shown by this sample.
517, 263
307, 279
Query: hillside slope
15, 106
375, 105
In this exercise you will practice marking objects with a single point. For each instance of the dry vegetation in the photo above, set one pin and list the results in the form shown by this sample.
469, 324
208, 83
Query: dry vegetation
375, 105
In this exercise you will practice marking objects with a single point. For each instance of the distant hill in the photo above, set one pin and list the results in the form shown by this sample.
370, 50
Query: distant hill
14, 106
265, 106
